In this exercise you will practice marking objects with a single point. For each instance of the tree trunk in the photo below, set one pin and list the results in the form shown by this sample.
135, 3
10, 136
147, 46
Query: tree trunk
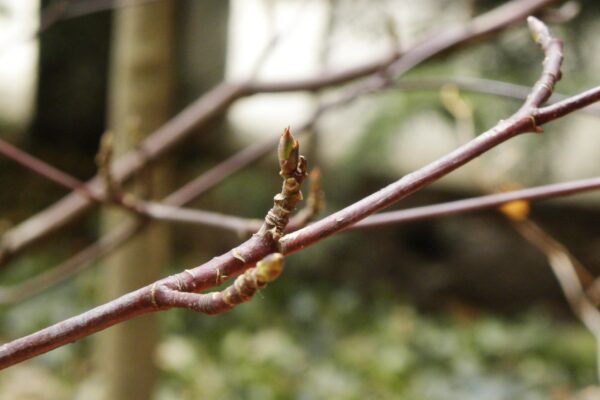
140, 99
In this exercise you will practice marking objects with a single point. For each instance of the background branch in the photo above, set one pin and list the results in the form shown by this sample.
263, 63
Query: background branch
216, 101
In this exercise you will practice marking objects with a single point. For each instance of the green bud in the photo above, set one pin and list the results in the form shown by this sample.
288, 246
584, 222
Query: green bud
269, 268
288, 152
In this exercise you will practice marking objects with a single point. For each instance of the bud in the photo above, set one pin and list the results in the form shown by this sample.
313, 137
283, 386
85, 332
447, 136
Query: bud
269, 268
288, 152
538, 30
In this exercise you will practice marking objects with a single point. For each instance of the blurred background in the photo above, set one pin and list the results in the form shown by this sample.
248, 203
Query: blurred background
451, 308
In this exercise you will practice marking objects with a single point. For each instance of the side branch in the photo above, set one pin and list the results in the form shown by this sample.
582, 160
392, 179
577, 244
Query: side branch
222, 96
242, 290
257, 247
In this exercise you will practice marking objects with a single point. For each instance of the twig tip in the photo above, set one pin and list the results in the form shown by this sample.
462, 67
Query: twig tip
538, 28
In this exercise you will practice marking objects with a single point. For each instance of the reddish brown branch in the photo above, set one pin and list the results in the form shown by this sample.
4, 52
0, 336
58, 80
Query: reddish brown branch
522, 121
250, 252
220, 98
566, 106
73, 265
148, 209
46, 170
47, 279
161, 294
164, 139
553, 49
478, 203
242, 290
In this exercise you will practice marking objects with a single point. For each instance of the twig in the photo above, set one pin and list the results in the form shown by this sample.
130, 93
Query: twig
70, 267
46, 170
524, 120
33, 286
217, 100
163, 212
485, 86
160, 294
242, 290
564, 269
509, 13
479, 203
115, 195
247, 254
293, 171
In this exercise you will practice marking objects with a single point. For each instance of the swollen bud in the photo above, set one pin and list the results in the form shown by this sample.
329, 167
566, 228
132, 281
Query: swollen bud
288, 152
269, 268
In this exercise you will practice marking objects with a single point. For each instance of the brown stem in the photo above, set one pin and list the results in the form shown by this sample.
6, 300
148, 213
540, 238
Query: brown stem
484, 86
33, 286
169, 292
46, 170
520, 122
70, 267
217, 100
478, 203
258, 246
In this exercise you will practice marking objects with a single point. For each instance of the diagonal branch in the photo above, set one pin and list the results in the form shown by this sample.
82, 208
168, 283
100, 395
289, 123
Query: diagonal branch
217, 100
522, 121
114, 195
247, 254
485, 24
478, 203
564, 267
46, 280
483, 86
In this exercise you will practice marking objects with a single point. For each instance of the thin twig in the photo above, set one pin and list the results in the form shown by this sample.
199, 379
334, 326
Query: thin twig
147, 209
479, 203
509, 13
484, 86
45, 170
216, 101
247, 254
563, 266
73, 265
524, 120
112, 240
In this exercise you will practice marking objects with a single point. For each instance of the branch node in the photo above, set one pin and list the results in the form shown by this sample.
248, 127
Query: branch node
153, 295
293, 170
242, 290
535, 127
238, 256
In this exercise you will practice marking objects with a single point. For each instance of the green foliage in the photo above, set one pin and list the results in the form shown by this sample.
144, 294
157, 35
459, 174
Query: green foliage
330, 345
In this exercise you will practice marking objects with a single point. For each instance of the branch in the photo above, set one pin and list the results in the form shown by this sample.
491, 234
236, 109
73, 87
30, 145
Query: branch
46, 280
484, 86
564, 267
160, 295
242, 290
216, 101
478, 203
524, 120
156, 211
114, 194
247, 254
499, 18
45, 170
